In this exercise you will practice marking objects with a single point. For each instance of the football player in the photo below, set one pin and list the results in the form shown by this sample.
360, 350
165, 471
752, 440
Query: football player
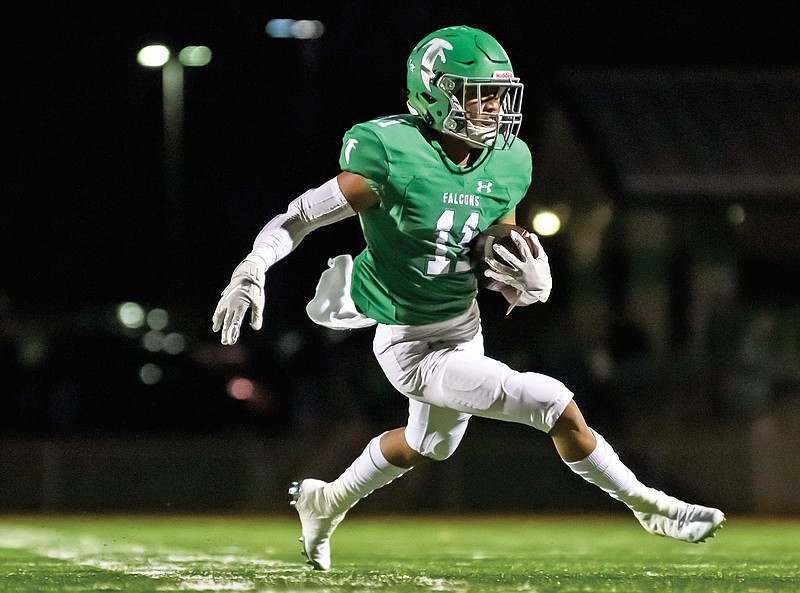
423, 184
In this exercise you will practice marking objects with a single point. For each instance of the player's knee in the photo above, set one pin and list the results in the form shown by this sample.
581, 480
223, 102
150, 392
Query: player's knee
535, 399
436, 434
439, 453
571, 416
436, 449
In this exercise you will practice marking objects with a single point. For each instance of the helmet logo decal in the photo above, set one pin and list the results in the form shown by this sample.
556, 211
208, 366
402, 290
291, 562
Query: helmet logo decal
503, 74
351, 144
435, 49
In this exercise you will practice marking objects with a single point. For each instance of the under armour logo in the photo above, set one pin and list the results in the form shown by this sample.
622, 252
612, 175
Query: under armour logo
484, 186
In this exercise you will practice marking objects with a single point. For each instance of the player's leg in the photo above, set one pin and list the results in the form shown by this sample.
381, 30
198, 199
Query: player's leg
396, 450
431, 433
590, 456
466, 380
572, 437
322, 505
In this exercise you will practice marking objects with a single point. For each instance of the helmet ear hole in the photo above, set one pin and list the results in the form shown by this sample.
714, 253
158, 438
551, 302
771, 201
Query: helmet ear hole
429, 98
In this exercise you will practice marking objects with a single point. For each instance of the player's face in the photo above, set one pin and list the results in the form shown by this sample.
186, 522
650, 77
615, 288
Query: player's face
481, 101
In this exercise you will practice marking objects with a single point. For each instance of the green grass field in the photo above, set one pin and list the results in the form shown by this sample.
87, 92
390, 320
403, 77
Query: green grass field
474, 554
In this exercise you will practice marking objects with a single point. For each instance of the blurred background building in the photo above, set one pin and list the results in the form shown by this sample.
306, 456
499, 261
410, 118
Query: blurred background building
666, 188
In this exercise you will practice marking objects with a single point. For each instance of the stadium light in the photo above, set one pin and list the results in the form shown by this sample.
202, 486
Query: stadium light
307, 32
294, 29
153, 56
195, 55
172, 88
159, 56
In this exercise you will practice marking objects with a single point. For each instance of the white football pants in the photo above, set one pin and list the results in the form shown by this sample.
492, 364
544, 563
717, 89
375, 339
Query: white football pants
443, 371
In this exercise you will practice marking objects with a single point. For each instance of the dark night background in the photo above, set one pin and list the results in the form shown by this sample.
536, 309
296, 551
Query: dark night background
86, 221
83, 214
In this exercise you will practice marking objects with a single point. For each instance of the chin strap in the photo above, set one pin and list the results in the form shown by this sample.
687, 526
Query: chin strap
482, 135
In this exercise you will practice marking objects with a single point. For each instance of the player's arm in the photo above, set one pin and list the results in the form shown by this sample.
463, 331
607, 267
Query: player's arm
510, 219
357, 191
524, 280
335, 200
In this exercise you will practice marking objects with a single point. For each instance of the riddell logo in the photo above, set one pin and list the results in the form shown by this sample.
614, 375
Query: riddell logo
503, 74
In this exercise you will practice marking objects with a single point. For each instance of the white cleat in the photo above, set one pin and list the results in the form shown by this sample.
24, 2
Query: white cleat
317, 521
682, 521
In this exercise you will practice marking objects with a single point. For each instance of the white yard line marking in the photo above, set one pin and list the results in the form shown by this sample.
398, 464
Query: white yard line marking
211, 584
217, 571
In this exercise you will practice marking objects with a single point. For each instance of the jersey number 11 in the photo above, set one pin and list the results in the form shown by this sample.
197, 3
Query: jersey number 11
442, 260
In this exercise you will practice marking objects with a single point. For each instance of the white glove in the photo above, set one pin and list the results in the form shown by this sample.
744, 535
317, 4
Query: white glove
246, 289
529, 275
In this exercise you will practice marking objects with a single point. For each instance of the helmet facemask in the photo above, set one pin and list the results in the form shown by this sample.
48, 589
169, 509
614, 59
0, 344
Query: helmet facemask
484, 112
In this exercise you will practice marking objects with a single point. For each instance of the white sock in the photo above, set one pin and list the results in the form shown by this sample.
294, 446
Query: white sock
604, 469
367, 473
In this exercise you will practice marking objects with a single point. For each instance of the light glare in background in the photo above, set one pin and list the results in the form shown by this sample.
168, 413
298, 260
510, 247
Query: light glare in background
280, 28
307, 30
241, 388
153, 56
290, 28
546, 223
131, 315
150, 374
153, 341
195, 55
156, 341
736, 214
174, 343
157, 319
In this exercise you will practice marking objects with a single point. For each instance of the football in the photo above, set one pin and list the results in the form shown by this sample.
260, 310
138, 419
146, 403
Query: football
482, 247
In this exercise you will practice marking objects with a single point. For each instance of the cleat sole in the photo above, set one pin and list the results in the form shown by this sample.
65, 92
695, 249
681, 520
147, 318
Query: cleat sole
294, 492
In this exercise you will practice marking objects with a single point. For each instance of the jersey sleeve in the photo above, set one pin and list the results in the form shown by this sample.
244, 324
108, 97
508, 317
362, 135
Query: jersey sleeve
363, 153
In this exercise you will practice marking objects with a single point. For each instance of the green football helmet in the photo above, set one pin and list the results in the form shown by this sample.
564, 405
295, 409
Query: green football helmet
461, 82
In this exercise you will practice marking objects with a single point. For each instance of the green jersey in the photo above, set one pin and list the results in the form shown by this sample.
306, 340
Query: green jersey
415, 268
